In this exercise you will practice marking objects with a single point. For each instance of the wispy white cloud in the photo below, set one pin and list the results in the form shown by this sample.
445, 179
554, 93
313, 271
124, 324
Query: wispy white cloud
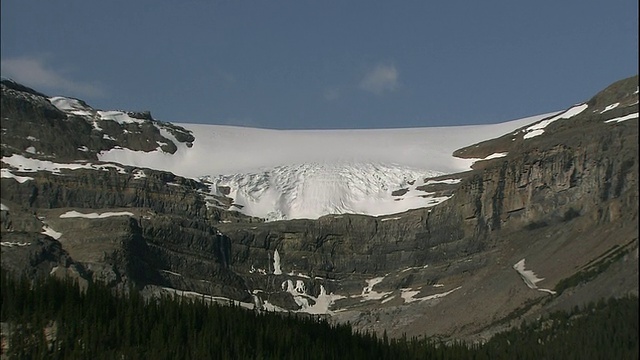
225, 76
380, 79
333, 93
34, 72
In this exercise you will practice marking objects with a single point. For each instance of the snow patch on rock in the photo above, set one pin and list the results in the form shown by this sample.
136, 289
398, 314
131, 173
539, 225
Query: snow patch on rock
6, 174
537, 129
277, 270
47, 230
623, 118
529, 277
76, 214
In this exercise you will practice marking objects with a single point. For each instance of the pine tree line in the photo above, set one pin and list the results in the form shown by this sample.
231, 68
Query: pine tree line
54, 319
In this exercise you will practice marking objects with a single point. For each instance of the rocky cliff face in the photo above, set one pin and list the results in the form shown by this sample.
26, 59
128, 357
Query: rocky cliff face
559, 211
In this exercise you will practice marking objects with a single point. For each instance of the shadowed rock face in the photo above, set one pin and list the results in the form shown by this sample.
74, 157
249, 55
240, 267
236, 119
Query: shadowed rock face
564, 201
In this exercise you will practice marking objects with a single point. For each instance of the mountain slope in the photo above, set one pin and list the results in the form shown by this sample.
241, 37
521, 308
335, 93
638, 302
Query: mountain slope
543, 217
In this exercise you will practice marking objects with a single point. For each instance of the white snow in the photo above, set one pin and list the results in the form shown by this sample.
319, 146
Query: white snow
75, 107
258, 270
623, 118
31, 138
47, 230
30, 150
83, 148
267, 306
4, 207
393, 218
316, 189
414, 268
408, 295
388, 299
369, 294
276, 263
70, 105
321, 304
529, 277
12, 244
533, 133
167, 134
239, 149
444, 181
24, 164
298, 296
293, 273
119, 117
5, 173
609, 107
495, 156
285, 174
537, 129
139, 174
171, 272
75, 214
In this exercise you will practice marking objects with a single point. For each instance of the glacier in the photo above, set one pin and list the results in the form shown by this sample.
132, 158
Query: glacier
290, 174
227, 150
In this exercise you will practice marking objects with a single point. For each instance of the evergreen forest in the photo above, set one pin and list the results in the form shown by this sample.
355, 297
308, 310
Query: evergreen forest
55, 319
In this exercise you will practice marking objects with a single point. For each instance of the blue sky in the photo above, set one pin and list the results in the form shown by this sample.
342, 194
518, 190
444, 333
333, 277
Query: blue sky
322, 64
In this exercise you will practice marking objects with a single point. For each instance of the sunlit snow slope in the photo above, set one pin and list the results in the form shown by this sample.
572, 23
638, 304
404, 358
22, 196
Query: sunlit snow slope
285, 174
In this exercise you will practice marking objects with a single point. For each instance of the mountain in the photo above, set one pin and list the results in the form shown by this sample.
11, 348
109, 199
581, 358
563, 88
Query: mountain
455, 232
